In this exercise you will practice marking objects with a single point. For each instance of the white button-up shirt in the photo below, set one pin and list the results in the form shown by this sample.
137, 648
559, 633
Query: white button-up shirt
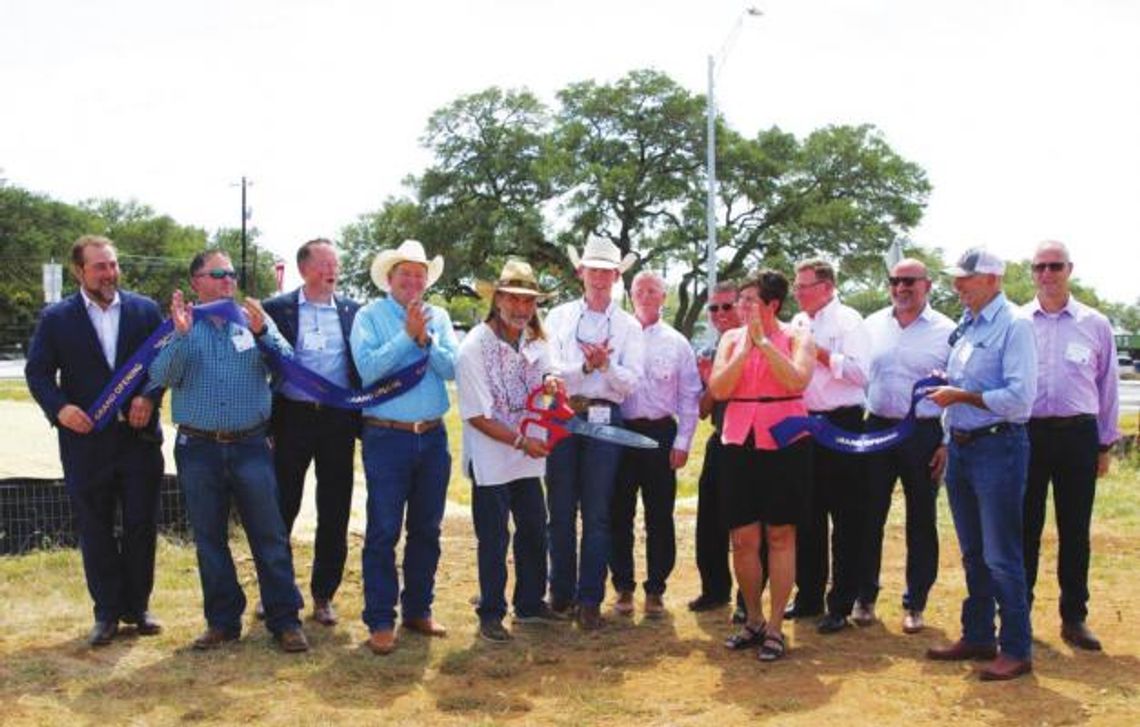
672, 385
839, 329
901, 356
106, 324
571, 323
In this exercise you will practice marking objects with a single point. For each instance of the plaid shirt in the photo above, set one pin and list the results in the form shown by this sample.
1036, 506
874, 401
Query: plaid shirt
214, 385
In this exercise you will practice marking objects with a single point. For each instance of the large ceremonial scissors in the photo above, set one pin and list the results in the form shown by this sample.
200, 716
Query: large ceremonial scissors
560, 422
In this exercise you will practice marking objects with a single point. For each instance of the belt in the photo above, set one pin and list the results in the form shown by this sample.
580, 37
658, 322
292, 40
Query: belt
838, 410
581, 403
965, 436
643, 423
310, 405
894, 420
420, 427
223, 437
1062, 422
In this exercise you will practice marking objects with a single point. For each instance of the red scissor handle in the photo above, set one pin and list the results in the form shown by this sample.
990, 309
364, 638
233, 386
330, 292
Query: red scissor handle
551, 419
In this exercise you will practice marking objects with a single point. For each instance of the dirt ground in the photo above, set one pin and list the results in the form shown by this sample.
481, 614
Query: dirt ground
635, 671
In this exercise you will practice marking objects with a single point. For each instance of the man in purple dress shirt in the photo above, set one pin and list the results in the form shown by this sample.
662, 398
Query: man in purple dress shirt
1072, 427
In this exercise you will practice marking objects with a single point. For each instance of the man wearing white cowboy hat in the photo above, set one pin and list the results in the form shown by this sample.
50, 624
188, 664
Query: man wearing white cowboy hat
406, 460
597, 351
500, 362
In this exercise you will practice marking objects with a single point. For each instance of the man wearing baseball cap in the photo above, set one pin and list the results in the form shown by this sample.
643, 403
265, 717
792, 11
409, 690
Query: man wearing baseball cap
992, 373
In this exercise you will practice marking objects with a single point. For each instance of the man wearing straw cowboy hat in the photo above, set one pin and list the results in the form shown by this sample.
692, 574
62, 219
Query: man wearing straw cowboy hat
500, 362
597, 351
406, 460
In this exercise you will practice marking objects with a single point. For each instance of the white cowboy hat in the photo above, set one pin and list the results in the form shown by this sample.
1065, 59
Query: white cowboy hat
517, 277
409, 251
601, 253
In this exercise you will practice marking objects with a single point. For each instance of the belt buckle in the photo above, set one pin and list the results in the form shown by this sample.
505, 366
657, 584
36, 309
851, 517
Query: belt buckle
579, 403
418, 426
224, 437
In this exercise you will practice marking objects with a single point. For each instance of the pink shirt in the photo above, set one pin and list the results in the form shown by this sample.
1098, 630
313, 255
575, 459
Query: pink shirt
757, 381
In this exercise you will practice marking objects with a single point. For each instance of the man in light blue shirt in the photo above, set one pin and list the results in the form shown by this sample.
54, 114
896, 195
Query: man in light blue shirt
992, 375
406, 459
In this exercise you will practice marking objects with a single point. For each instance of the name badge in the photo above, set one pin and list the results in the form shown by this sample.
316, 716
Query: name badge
242, 340
1078, 353
598, 415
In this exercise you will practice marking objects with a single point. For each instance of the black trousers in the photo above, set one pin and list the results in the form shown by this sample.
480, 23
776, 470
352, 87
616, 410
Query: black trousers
838, 492
647, 471
712, 534
1067, 456
117, 469
909, 461
304, 434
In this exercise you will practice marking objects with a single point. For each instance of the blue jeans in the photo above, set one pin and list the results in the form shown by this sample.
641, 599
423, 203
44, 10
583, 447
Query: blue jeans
491, 507
985, 482
580, 474
407, 473
212, 474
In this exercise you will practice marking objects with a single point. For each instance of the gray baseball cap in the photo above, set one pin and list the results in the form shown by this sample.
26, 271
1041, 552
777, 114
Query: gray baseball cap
977, 261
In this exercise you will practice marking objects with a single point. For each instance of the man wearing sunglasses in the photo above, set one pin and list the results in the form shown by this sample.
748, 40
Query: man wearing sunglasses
219, 383
1071, 431
992, 373
317, 323
84, 339
909, 339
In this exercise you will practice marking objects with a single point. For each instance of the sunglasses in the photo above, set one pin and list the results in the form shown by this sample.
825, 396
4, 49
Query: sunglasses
718, 307
1051, 267
218, 274
904, 280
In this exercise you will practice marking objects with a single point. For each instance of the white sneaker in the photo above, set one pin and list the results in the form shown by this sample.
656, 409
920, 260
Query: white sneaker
913, 623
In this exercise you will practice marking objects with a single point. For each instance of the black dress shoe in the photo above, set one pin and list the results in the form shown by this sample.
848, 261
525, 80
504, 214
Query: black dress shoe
145, 625
795, 611
705, 602
831, 623
102, 633
1079, 635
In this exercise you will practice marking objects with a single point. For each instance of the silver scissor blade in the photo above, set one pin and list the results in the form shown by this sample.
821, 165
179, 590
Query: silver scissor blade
609, 433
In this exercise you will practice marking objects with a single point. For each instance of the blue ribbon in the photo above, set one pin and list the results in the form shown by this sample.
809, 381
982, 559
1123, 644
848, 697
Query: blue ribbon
828, 435
126, 380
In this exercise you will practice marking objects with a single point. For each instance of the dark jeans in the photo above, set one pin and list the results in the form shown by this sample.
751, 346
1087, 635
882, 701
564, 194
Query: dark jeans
712, 535
985, 483
909, 461
646, 470
580, 474
304, 434
492, 506
1068, 457
407, 477
839, 492
107, 471
212, 475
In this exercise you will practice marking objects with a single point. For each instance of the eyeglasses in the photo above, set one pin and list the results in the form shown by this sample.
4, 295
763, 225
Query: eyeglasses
904, 280
804, 286
718, 307
218, 274
598, 334
1054, 267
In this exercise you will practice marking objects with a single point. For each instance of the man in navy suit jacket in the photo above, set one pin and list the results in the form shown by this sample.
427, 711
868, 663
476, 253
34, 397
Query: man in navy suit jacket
83, 339
317, 322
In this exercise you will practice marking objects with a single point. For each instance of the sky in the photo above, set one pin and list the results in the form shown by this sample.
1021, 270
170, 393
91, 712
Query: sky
1025, 115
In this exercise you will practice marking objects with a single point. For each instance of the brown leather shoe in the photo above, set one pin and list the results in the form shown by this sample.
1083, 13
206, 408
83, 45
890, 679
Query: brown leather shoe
1079, 635
962, 650
1005, 668
323, 612
292, 641
382, 642
590, 618
102, 633
654, 605
623, 606
212, 638
913, 622
145, 625
427, 626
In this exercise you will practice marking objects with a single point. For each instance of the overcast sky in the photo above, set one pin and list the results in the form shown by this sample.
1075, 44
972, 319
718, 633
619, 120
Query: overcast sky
1026, 115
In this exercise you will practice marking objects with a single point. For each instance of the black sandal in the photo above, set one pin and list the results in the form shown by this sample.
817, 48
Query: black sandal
748, 636
772, 648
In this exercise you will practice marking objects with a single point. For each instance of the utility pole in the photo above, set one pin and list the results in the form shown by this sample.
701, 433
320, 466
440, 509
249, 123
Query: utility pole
244, 218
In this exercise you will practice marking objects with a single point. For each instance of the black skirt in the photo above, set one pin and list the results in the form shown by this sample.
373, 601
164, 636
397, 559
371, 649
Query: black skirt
770, 486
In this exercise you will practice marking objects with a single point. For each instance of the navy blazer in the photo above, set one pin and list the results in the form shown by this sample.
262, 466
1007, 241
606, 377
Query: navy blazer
65, 342
283, 309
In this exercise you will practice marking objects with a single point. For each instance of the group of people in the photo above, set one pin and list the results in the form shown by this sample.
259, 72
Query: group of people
1030, 397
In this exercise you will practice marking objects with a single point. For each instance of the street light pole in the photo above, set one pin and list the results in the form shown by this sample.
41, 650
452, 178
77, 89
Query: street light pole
710, 202
243, 232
